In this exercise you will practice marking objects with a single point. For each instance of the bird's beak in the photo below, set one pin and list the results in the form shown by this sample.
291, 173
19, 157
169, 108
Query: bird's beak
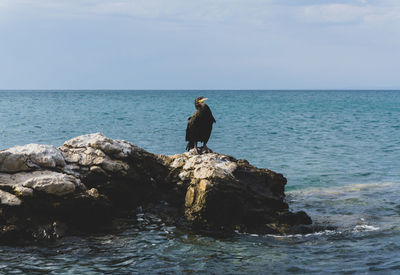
203, 99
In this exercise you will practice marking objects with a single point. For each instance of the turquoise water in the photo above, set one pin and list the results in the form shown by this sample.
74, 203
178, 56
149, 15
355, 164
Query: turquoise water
340, 151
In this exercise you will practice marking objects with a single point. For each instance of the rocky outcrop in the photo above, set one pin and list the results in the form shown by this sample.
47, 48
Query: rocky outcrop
222, 193
47, 192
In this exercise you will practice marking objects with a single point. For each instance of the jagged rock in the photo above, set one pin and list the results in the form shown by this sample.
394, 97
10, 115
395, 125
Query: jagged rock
99, 144
124, 173
47, 192
97, 154
223, 192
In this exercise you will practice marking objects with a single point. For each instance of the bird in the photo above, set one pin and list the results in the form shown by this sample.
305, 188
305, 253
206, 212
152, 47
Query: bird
199, 126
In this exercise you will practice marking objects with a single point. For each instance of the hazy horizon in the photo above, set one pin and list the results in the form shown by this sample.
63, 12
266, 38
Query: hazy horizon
194, 90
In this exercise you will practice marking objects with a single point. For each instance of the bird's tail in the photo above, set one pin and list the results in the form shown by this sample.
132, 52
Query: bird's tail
190, 145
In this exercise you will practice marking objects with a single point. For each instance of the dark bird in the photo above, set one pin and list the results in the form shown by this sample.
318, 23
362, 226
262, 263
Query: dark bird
199, 126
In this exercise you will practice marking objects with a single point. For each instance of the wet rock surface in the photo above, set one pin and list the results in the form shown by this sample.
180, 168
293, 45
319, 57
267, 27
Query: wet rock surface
82, 186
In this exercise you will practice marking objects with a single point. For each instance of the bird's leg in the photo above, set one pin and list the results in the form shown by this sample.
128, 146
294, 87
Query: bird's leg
205, 149
198, 151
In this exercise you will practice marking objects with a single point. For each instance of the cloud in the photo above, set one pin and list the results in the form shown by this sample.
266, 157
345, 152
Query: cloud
205, 11
334, 13
253, 12
349, 13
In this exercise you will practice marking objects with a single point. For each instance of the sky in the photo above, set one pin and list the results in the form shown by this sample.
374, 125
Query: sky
199, 44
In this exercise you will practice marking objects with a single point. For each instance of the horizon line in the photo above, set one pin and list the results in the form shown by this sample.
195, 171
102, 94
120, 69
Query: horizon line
302, 89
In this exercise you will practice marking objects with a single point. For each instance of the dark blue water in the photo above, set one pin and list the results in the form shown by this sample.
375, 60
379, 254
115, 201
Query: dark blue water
340, 151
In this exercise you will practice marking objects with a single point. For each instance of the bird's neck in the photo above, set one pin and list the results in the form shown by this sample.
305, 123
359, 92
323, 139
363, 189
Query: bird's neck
199, 106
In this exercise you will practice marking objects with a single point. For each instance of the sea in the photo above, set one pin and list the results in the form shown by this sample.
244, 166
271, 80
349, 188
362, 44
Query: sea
339, 150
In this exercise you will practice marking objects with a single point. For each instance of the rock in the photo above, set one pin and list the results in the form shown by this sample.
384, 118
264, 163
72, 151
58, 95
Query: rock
9, 199
22, 191
30, 157
25, 183
225, 193
53, 183
115, 148
48, 192
93, 192
124, 173
98, 154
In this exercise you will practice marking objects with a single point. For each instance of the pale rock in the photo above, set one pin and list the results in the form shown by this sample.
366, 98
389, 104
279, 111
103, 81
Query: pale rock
100, 151
184, 175
114, 166
54, 183
93, 192
178, 161
98, 160
9, 199
30, 157
23, 191
116, 148
72, 169
98, 170
190, 196
204, 184
89, 159
73, 157
207, 166
17, 179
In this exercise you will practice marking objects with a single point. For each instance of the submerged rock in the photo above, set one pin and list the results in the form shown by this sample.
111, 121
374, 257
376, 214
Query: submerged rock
47, 192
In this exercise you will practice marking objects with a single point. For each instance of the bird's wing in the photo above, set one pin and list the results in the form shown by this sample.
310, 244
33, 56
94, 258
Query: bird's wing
209, 114
213, 118
192, 121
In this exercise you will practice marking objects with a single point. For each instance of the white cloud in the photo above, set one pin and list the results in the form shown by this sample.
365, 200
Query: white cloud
334, 13
347, 13
171, 10
200, 10
253, 12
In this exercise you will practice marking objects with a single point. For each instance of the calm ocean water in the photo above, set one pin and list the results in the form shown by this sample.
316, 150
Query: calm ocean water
340, 151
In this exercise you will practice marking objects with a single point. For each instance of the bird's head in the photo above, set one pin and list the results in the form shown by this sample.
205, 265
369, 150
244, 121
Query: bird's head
199, 101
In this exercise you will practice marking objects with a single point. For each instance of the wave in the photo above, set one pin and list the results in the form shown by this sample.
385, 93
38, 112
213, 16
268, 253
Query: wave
360, 228
350, 209
365, 227
342, 190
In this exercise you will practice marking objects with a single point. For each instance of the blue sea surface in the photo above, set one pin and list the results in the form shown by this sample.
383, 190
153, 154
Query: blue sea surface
339, 150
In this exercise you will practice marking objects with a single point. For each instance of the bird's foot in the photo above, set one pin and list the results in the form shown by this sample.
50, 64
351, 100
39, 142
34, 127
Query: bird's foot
205, 149
198, 150
202, 150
